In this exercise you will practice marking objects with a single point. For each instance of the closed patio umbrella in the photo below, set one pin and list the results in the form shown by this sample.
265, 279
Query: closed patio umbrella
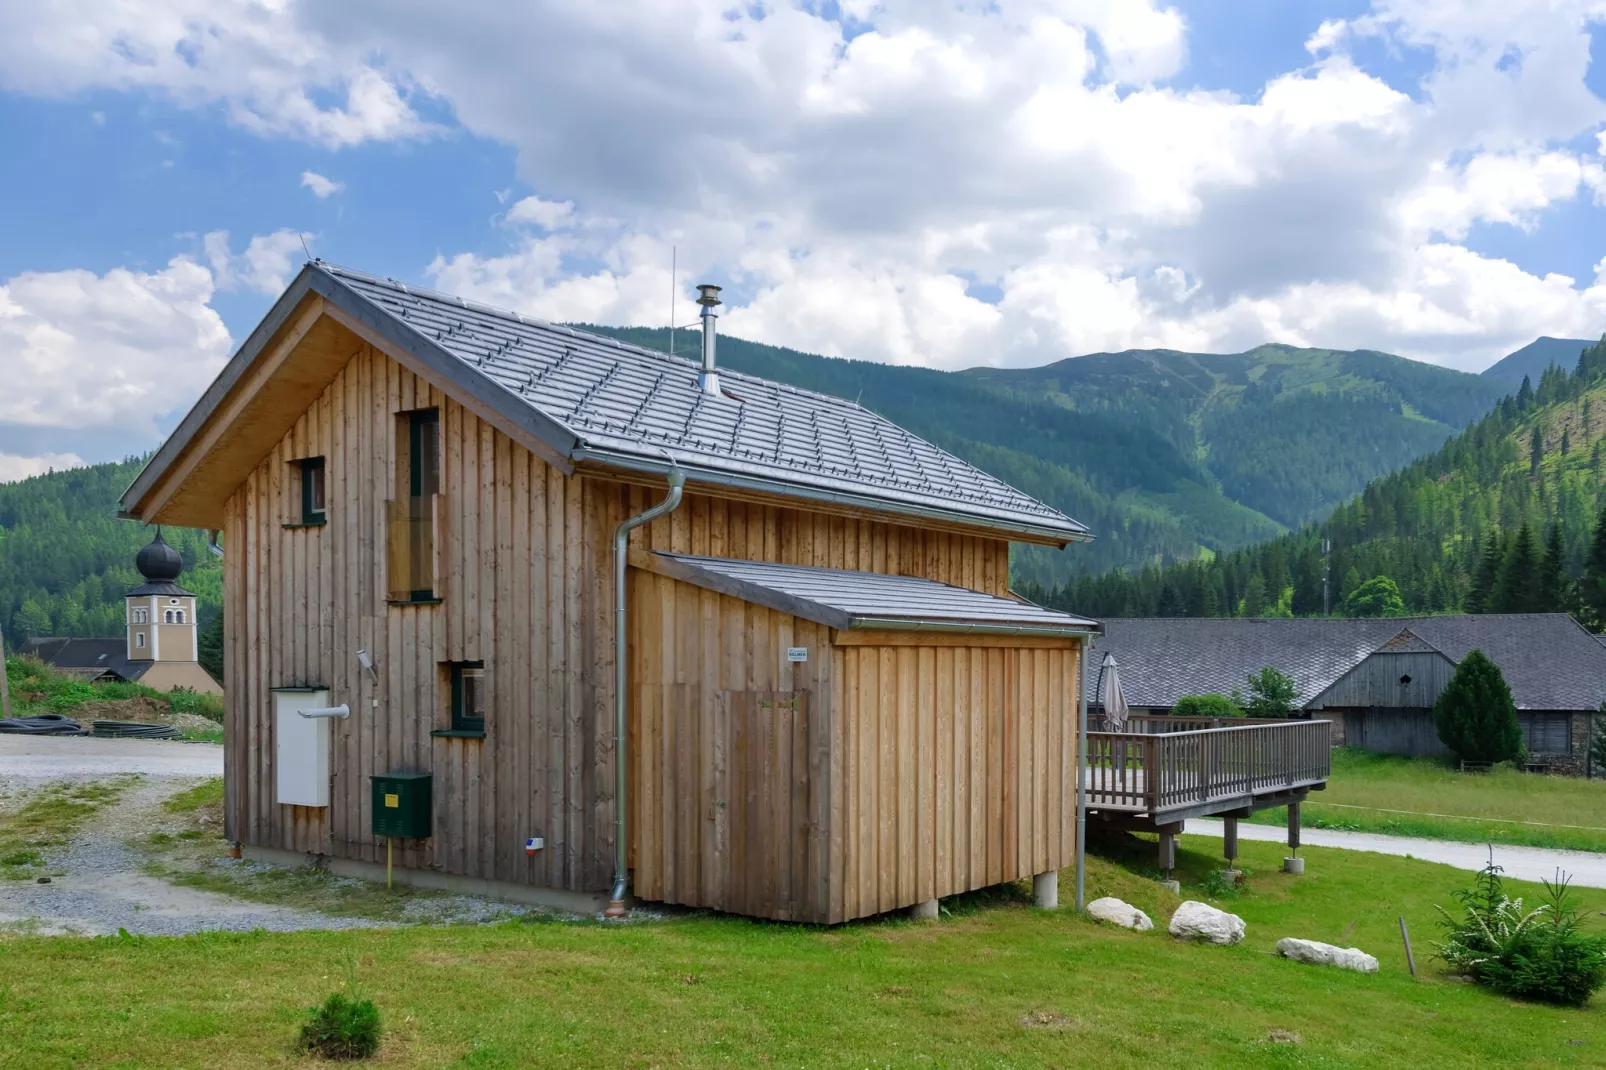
1111, 695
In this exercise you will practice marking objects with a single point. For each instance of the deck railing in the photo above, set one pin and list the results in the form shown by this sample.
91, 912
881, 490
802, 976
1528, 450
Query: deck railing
1154, 772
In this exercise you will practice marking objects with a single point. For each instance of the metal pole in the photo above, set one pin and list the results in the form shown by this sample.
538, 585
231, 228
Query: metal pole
5, 685
1081, 775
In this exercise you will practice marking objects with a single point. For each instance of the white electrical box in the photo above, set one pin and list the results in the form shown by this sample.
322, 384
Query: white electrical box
300, 748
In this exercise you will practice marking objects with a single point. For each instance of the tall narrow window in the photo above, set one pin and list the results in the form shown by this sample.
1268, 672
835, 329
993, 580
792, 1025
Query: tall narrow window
313, 509
468, 696
139, 640
412, 513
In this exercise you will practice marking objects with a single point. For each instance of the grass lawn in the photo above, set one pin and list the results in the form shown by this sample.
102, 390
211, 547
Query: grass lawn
1483, 806
994, 984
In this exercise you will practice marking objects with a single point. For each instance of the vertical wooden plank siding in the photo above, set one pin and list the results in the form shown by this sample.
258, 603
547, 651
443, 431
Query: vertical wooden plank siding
876, 772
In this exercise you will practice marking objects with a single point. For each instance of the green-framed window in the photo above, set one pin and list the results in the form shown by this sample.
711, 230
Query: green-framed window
314, 508
468, 696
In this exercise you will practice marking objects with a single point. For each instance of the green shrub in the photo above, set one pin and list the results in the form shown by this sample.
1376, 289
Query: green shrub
188, 700
1205, 706
344, 1027
1272, 693
1536, 954
1475, 715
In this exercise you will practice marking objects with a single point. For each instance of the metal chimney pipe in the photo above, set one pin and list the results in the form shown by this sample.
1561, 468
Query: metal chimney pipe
708, 297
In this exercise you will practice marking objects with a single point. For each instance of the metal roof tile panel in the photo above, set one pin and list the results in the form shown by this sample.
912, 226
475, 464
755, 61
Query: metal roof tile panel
875, 596
632, 401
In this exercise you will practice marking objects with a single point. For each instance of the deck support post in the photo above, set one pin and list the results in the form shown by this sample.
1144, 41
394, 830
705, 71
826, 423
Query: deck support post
1168, 851
925, 910
1229, 847
1046, 890
1293, 864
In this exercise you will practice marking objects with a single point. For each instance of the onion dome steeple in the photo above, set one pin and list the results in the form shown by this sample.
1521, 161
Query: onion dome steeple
160, 565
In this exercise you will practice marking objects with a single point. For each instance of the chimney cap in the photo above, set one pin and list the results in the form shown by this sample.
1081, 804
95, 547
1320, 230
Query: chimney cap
708, 295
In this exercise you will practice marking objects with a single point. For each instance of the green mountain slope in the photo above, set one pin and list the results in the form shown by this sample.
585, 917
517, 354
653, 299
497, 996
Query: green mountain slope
1536, 462
1531, 360
66, 560
1161, 453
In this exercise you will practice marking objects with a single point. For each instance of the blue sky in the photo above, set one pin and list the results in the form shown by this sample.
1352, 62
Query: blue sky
1007, 183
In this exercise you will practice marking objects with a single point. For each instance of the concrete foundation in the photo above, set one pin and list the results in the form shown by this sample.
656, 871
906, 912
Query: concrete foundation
1296, 866
1174, 887
1046, 890
925, 911
557, 898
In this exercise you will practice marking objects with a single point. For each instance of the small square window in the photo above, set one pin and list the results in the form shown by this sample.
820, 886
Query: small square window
313, 508
468, 696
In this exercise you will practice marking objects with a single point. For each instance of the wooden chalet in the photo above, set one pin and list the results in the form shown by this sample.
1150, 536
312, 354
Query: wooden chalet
832, 705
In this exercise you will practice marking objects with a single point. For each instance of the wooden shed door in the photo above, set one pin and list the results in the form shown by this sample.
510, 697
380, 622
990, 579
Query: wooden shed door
770, 765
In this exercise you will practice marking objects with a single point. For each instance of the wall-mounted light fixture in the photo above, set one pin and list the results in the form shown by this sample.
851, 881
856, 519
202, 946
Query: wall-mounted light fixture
367, 662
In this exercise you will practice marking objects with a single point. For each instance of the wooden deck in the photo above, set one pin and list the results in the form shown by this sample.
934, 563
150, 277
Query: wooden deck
1164, 770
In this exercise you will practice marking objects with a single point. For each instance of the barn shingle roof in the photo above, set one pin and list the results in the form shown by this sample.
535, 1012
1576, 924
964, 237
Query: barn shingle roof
622, 402
1549, 661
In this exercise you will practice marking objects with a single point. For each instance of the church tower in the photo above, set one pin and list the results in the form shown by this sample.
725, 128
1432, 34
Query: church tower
161, 614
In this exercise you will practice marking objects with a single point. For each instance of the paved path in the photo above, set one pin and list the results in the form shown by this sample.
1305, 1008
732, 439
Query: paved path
34, 758
1588, 869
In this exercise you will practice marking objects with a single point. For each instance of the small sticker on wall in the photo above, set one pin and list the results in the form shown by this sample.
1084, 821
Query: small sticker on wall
797, 653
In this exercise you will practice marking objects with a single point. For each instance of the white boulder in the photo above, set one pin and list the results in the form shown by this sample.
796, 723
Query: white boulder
1201, 921
1116, 912
1319, 954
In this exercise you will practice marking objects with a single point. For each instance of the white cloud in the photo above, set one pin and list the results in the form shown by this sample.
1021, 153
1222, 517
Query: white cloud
549, 215
264, 267
861, 184
252, 56
320, 186
84, 351
14, 467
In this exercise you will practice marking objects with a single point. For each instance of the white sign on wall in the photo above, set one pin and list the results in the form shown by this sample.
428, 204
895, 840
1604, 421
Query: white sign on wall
797, 653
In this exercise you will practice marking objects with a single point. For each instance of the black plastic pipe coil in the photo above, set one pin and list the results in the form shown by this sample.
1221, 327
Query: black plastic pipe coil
134, 730
45, 724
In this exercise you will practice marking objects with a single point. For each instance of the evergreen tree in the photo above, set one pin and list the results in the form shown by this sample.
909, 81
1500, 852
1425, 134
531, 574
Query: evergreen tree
210, 652
1536, 451
1475, 715
1525, 394
1592, 590
1517, 590
1566, 440
1255, 596
1553, 593
1480, 595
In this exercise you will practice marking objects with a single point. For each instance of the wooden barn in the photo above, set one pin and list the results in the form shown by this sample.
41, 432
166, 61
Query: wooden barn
830, 704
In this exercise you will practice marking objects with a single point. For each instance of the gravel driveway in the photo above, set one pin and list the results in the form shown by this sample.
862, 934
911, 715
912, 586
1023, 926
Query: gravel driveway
103, 889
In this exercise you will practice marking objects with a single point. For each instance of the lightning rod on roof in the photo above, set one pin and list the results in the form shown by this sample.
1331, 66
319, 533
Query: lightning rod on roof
672, 265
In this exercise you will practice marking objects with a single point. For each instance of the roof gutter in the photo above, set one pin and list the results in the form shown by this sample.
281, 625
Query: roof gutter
764, 484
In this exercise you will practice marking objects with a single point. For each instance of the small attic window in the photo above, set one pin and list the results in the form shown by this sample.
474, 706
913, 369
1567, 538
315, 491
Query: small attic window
1405, 681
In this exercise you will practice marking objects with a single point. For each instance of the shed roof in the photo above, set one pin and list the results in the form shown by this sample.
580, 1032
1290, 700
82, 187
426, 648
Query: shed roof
585, 398
844, 599
1548, 660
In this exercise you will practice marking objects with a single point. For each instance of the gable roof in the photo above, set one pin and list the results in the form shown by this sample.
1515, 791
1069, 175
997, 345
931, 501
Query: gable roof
86, 657
587, 399
845, 599
1548, 660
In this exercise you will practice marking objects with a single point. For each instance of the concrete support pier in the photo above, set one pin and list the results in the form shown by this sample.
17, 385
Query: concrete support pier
1229, 847
1046, 890
925, 911
1293, 864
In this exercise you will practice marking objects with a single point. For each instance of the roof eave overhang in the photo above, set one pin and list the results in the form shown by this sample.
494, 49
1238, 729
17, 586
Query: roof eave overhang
832, 617
1017, 530
526, 424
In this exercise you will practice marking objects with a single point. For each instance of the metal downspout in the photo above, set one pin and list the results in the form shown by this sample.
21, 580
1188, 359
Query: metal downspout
1081, 775
621, 548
